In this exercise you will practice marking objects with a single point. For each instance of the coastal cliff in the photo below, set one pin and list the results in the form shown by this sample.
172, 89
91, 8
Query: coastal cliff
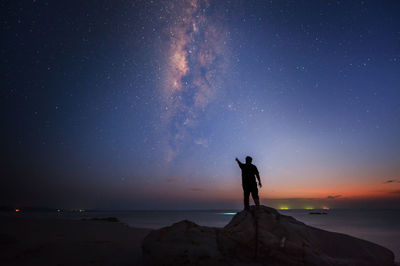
259, 237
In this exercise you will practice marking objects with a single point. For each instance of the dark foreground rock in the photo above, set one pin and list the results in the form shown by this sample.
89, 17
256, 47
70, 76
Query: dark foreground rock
259, 237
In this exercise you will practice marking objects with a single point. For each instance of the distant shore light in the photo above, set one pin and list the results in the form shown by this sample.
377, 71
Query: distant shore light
284, 208
227, 213
17, 210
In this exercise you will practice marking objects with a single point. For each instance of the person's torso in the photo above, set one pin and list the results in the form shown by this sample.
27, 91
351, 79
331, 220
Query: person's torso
248, 174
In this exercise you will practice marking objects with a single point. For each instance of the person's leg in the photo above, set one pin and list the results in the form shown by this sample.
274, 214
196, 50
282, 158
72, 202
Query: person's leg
254, 195
246, 194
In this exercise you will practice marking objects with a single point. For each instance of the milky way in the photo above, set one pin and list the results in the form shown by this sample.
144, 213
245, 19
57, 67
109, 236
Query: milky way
195, 60
146, 104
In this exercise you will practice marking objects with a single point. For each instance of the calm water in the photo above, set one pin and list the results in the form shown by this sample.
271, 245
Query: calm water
379, 226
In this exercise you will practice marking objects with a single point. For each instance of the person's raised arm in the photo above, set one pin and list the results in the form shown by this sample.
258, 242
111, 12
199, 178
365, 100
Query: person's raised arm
239, 162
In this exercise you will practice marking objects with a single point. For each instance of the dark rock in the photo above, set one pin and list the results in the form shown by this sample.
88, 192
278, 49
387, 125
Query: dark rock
259, 237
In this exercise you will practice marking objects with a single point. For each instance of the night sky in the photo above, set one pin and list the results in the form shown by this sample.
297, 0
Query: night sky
146, 104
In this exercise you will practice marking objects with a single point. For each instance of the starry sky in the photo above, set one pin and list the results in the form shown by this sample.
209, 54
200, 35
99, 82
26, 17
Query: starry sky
146, 104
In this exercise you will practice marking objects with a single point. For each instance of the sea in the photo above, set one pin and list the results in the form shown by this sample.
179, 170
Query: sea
381, 226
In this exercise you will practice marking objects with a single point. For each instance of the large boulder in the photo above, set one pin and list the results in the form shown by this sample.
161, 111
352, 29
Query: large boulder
259, 237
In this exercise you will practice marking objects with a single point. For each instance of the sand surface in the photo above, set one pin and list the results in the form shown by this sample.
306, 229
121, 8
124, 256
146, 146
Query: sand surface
33, 241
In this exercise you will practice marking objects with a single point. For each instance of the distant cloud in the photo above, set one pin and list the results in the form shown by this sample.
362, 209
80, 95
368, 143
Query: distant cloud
202, 142
172, 180
333, 196
196, 189
395, 192
391, 181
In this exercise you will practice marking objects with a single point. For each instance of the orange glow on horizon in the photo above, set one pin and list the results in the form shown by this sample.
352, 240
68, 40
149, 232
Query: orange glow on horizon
341, 191
232, 193
321, 194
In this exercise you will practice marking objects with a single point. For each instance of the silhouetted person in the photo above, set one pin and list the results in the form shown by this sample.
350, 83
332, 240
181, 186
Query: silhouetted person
249, 184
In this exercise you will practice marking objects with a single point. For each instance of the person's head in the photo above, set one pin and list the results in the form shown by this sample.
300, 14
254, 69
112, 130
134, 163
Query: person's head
249, 159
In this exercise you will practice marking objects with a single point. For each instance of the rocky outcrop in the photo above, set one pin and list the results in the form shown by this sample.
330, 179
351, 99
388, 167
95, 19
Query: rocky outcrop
259, 237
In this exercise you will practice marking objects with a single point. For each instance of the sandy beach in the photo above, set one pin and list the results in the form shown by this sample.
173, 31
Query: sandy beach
34, 241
